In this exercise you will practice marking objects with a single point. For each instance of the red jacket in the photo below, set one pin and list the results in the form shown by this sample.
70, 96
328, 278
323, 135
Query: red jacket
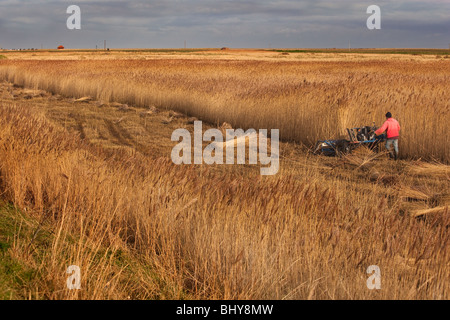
392, 127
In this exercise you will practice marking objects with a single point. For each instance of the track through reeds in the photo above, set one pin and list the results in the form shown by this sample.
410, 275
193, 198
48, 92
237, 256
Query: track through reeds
307, 101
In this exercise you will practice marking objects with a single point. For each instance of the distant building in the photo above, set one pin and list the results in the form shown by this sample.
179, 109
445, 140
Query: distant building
60, 47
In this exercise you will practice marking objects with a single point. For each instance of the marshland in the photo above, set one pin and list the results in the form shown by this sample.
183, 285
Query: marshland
86, 177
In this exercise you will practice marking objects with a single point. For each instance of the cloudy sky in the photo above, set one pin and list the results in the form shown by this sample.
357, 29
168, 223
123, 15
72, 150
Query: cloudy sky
231, 23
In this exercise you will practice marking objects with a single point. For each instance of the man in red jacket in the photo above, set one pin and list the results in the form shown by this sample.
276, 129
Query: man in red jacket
392, 128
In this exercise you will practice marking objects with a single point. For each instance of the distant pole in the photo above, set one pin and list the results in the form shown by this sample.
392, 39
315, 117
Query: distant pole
104, 44
185, 44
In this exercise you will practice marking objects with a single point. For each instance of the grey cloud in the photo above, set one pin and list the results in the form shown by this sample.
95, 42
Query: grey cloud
207, 23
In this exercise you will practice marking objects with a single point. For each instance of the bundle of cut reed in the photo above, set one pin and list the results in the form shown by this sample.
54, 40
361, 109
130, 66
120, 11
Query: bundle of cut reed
437, 210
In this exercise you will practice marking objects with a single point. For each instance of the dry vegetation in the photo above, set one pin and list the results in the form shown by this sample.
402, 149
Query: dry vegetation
97, 180
306, 100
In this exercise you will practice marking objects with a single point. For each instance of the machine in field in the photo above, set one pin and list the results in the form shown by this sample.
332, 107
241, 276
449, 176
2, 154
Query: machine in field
364, 136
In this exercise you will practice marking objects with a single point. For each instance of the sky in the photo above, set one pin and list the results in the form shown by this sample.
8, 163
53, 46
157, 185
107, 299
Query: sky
225, 23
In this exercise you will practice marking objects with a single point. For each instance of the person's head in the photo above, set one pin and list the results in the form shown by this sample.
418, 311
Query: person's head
388, 115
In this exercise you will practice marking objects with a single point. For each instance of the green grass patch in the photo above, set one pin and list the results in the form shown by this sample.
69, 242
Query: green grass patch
15, 275
23, 251
3, 57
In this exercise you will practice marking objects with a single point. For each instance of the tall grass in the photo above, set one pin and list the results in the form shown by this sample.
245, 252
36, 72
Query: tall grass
307, 101
200, 234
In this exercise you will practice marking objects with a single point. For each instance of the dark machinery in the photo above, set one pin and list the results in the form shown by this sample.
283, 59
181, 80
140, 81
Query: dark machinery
357, 137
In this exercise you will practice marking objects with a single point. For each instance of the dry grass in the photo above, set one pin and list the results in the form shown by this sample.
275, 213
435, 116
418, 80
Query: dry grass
438, 210
307, 100
195, 232
435, 169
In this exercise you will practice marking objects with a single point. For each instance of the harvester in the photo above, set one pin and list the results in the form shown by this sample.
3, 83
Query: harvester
363, 136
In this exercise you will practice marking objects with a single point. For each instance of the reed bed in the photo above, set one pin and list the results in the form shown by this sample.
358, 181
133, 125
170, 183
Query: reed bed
200, 234
306, 100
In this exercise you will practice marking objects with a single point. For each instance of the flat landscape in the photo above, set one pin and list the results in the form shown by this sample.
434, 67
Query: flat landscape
86, 176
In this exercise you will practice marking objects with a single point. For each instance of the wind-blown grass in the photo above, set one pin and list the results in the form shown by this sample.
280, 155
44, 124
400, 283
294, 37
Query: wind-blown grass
307, 101
201, 234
